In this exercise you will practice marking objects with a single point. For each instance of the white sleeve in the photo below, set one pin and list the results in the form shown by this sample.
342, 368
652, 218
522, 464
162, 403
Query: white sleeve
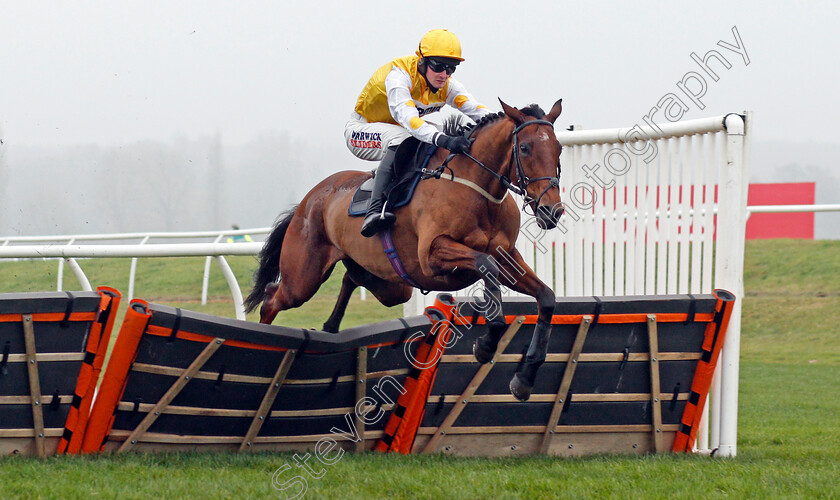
401, 105
463, 101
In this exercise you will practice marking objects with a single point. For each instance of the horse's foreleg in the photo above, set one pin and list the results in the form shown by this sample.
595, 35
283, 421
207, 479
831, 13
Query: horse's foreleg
447, 255
518, 276
347, 288
485, 346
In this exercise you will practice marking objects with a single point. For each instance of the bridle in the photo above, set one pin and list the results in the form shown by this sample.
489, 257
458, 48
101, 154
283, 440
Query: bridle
522, 180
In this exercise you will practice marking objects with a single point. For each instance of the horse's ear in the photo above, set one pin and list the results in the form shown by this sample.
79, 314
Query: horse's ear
517, 116
555, 111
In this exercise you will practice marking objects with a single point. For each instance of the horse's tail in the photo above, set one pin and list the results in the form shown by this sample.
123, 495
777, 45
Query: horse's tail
269, 268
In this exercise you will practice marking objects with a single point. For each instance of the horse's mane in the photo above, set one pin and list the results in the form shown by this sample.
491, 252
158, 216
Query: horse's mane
457, 124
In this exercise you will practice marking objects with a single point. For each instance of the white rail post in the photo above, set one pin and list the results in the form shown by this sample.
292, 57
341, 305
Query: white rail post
713, 418
729, 270
60, 278
133, 273
205, 283
80, 275
235, 291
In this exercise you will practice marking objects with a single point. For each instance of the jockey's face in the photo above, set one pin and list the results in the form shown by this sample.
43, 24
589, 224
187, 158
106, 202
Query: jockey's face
438, 78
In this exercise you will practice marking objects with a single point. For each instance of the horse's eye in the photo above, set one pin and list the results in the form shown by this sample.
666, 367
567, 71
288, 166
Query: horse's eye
524, 149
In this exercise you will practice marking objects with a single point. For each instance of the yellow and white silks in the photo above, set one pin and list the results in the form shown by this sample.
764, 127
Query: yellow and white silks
392, 104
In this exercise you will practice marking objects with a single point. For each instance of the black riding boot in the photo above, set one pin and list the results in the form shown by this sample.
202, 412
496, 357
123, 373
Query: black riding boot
375, 219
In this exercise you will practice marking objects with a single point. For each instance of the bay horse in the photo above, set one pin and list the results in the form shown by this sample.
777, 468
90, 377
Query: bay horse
449, 236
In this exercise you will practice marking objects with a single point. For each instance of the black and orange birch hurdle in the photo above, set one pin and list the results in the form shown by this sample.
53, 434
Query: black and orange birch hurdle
53, 345
459, 228
96, 349
625, 375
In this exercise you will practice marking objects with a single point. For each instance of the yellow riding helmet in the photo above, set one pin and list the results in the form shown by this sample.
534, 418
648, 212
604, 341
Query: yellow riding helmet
440, 43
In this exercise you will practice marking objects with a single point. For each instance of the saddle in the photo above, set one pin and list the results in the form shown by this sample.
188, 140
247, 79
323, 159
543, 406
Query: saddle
412, 156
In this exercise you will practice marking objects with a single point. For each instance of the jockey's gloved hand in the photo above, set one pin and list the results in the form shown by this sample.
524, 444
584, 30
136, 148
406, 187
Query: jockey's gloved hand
454, 144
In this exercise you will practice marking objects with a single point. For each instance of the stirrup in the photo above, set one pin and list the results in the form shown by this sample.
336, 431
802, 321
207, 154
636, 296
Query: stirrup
377, 221
385, 215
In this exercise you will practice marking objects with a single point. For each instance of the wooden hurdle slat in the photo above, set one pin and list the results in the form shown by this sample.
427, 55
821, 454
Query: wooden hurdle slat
45, 400
224, 412
478, 378
653, 340
170, 394
539, 429
34, 386
232, 377
549, 398
268, 399
227, 443
584, 357
48, 356
565, 383
361, 392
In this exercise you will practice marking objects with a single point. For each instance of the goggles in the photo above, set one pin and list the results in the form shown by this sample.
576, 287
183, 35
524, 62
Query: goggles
439, 67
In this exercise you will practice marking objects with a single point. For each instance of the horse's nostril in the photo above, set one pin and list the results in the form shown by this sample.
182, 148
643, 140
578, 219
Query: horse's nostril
550, 213
547, 217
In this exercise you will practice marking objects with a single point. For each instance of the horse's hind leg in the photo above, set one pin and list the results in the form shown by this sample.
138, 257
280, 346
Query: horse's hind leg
304, 266
347, 288
389, 294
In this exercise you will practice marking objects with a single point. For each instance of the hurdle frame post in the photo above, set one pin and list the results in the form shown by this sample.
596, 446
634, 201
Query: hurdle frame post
729, 273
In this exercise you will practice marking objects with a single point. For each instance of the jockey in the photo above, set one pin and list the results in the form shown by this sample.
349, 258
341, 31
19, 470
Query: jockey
390, 107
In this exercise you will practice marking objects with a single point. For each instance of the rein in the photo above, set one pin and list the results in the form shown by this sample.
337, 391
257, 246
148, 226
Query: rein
523, 181
470, 184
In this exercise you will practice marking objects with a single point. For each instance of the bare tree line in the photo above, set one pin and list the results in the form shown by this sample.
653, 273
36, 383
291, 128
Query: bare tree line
178, 185
202, 184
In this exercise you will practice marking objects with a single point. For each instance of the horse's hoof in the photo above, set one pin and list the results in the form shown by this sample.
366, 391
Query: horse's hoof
482, 351
519, 388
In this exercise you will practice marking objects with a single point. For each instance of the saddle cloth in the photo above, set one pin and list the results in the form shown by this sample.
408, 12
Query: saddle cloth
412, 156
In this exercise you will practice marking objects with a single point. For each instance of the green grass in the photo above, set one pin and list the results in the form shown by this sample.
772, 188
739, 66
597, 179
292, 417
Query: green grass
791, 311
177, 282
789, 415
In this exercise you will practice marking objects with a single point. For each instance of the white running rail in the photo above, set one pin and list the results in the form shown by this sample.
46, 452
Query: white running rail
69, 248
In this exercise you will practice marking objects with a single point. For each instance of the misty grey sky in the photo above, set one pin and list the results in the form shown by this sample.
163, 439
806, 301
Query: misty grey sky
115, 72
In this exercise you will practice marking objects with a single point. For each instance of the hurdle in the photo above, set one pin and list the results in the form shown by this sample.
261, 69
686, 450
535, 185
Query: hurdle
53, 345
624, 375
